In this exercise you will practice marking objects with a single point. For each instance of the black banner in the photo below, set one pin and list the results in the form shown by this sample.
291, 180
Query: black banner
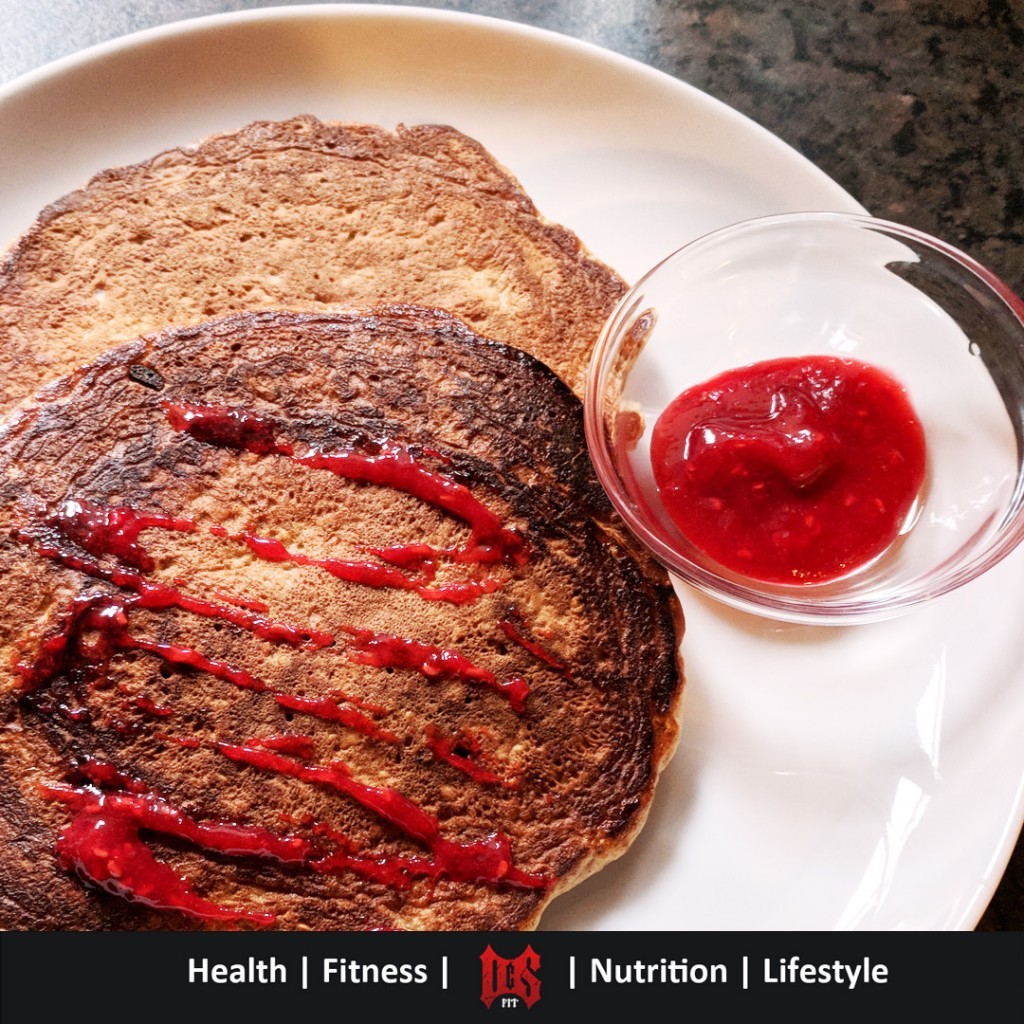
203, 977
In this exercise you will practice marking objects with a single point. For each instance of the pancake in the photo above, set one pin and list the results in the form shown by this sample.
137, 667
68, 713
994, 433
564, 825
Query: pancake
319, 621
299, 215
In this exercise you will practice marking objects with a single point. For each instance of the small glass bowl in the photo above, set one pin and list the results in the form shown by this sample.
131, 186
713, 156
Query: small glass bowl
831, 284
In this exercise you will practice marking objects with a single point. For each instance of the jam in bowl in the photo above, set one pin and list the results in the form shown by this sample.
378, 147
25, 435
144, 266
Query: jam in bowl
815, 417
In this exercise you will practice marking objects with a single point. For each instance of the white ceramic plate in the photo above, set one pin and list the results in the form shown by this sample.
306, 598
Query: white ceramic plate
860, 778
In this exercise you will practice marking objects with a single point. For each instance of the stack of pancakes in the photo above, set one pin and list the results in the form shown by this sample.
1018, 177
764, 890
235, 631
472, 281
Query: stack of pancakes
317, 615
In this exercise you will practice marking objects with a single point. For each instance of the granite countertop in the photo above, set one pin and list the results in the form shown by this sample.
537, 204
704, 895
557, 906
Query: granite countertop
913, 106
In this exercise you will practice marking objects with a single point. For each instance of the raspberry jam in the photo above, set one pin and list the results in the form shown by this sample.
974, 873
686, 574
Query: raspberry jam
794, 470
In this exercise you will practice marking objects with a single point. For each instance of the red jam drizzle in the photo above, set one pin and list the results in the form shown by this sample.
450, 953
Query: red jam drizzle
291, 743
366, 573
225, 427
463, 752
104, 774
153, 709
386, 651
796, 470
329, 710
153, 595
104, 621
112, 530
486, 860
105, 843
109, 618
102, 845
94, 630
514, 627
390, 465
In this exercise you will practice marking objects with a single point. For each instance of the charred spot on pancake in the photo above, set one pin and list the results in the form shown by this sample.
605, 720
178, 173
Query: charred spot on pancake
146, 376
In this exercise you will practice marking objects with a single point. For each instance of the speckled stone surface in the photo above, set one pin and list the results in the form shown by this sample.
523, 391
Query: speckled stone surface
915, 107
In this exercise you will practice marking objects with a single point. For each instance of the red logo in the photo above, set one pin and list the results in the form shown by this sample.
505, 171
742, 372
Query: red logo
510, 981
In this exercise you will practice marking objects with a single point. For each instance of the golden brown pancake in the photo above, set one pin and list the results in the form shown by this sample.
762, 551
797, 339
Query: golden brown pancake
300, 215
318, 621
